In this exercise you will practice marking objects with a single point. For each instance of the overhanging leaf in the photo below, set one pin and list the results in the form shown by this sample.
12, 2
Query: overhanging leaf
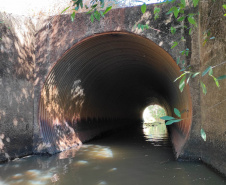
190, 31
177, 112
156, 10
73, 16
203, 134
63, 10
203, 88
170, 122
107, 9
211, 71
182, 84
178, 60
180, 76
174, 45
97, 15
206, 70
181, 19
221, 77
195, 2
91, 17
167, 118
216, 81
189, 78
224, 6
143, 8
171, 10
102, 14
183, 2
195, 74
176, 12
173, 30
192, 20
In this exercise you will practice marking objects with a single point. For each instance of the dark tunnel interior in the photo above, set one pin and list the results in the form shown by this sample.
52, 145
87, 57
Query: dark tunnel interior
106, 81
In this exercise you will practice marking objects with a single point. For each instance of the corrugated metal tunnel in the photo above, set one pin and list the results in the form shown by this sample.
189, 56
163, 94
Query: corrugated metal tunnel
106, 81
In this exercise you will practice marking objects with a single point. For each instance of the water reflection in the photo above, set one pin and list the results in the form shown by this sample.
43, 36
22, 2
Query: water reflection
156, 133
128, 156
46, 170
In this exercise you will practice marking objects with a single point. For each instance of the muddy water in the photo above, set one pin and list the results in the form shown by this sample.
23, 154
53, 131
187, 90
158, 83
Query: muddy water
139, 155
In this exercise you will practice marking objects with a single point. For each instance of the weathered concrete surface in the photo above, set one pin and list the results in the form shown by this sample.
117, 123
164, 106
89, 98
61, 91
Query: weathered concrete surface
56, 35
213, 104
16, 86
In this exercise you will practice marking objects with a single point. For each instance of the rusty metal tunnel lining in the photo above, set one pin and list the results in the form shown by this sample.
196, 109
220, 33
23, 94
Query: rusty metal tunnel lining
104, 82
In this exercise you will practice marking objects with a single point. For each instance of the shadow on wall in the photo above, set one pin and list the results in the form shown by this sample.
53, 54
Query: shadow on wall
16, 86
59, 117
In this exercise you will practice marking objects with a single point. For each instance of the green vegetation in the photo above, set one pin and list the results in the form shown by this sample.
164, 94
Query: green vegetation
153, 113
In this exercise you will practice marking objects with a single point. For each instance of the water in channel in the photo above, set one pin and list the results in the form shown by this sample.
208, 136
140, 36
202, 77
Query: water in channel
137, 155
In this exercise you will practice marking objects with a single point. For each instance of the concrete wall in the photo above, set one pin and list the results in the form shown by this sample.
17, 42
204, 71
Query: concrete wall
56, 35
16, 86
29, 50
212, 105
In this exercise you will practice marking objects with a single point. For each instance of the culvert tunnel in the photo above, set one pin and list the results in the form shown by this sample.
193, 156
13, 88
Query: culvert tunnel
104, 82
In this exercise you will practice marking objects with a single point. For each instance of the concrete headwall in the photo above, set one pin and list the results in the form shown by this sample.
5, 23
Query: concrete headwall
30, 50
16, 86
212, 106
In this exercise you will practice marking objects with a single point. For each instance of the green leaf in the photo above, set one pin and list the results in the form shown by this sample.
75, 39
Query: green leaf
167, 118
63, 10
142, 27
171, 10
195, 74
192, 20
203, 134
181, 18
224, 6
189, 78
156, 10
195, 2
181, 11
182, 84
102, 14
174, 45
73, 16
190, 31
203, 88
107, 9
177, 112
143, 8
173, 30
206, 71
221, 77
216, 81
182, 52
170, 122
92, 17
178, 60
97, 15
94, 6
183, 2
176, 12
179, 77
211, 71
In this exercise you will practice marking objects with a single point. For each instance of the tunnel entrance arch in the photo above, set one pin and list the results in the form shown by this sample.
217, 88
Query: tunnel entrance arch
104, 82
